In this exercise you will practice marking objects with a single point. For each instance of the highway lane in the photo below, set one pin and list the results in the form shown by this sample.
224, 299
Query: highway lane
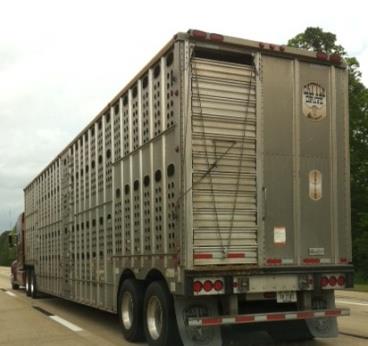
75, 324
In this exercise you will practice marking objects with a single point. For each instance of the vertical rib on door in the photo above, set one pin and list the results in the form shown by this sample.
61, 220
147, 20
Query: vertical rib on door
224, 162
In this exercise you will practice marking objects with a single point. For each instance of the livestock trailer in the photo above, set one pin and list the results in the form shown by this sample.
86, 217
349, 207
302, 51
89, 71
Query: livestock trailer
212, 190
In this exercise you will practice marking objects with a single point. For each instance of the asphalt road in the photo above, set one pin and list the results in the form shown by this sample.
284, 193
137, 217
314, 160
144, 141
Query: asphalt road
24, 321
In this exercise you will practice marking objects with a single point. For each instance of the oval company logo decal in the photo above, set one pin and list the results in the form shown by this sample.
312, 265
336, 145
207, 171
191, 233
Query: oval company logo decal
314, 101
315, 185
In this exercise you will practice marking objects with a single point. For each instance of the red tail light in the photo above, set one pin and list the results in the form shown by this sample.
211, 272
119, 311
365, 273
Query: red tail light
332, 281
199, 34
341, 280
322, 56
324, 281
218, 285
208, 286
216, 37
335, 58
197, 286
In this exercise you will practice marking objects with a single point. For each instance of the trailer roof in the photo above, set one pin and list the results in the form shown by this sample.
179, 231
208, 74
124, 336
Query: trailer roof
198, 35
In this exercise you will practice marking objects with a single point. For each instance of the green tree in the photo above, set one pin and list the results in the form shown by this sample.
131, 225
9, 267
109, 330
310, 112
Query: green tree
314, 38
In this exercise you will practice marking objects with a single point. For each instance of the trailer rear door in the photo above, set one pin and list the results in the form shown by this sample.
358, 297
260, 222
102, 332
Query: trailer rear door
223, 96
306, 173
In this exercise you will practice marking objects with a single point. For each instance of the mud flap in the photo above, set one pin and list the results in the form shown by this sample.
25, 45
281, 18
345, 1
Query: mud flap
323, 327
192, 307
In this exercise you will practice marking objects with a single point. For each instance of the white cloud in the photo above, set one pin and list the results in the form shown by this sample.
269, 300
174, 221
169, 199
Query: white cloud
61, 62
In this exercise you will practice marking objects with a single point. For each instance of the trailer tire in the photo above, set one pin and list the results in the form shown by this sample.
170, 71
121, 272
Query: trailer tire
130, 309
28, 282
160, 326
33, 285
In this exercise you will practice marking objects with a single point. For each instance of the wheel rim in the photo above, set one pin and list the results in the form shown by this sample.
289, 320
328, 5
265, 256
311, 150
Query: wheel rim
27, 285
32, 286
154, 317
127, 310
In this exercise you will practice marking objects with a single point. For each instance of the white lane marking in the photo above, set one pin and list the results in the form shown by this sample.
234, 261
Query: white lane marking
11, 294
351, 303
66, 323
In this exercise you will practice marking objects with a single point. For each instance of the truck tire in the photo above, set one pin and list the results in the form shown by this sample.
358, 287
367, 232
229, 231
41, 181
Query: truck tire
130, 308
28, 282
33, 285
160, 327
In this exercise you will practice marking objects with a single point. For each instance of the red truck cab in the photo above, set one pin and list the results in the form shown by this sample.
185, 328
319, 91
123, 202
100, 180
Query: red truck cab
17, 270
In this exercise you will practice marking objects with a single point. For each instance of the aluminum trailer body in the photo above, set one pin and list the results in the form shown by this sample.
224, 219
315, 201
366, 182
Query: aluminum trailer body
221, 172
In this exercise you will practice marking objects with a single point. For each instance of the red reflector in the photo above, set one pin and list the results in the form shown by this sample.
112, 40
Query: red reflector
199, 34
272, 46
343, 260
311, 260
261, 45
322, 56
202, 256
341, 280
274, 261
282, 48
332, 281
305, 315
211, 321
336, 312
197, 286
236, 255
244, 319
216, 37
218, 285
208, 286
324, 281
275, 317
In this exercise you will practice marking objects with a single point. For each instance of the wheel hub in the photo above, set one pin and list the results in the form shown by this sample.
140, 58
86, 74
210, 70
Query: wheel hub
154, 317
127, 310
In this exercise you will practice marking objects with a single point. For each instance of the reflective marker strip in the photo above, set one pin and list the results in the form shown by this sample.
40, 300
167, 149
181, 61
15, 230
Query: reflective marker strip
203, 256
311, 261
279, 261
66, 323
242, 319
236, 255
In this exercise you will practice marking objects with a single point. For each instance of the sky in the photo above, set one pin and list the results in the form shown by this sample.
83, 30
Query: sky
61, 62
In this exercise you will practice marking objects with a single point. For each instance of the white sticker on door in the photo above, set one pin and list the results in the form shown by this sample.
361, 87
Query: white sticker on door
279, 235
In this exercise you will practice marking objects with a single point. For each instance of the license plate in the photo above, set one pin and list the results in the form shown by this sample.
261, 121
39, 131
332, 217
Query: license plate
286, 297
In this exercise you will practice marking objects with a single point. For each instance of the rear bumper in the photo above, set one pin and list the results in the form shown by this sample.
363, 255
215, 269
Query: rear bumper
231, 274
265, 317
